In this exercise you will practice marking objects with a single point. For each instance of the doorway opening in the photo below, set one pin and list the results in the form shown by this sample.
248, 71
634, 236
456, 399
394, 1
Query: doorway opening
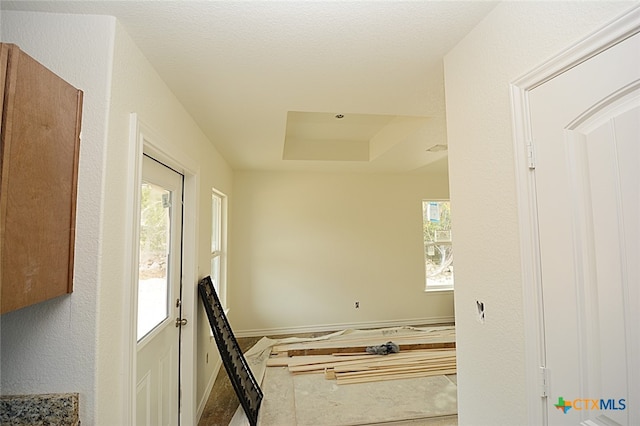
167, 258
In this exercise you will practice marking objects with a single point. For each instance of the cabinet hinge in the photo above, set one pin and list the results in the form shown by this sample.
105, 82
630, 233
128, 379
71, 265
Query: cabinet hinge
544, 382
531, 159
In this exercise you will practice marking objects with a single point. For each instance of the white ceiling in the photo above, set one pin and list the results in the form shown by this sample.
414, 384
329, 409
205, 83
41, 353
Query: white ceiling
239, 68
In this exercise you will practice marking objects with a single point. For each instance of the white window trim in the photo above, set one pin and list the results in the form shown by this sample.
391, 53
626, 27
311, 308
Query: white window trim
435, 288
221, 253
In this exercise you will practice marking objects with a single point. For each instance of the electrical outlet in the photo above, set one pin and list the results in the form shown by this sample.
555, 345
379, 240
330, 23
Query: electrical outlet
357, 305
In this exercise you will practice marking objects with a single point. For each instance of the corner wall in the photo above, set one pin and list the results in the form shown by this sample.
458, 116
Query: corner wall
513, 39
306, 246
75, 343
136, 87
51, 347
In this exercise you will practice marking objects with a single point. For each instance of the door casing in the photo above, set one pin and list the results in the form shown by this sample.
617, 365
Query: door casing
621, 28
144, 139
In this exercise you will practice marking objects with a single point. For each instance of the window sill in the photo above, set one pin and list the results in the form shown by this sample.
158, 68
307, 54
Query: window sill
438, 289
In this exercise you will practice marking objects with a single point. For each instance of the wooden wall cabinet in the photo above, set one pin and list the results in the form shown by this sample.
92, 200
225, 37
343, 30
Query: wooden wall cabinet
39, 151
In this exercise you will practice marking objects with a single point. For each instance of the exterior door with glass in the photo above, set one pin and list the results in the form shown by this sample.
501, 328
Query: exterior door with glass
159, 314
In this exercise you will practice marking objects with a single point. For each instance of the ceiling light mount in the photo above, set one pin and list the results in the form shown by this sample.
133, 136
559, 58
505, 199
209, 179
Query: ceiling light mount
339, 116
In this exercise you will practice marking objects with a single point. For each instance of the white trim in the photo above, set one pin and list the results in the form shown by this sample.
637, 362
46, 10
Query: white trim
601, 39
143, 139
343, 326
223, 249
619, 29
132, 228
439, 289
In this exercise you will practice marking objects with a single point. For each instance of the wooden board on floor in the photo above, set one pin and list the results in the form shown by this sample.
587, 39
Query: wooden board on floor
344, 358
371, 361
363, 349
358, 342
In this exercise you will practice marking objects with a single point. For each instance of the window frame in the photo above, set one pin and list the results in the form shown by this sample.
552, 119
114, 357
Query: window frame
219, 249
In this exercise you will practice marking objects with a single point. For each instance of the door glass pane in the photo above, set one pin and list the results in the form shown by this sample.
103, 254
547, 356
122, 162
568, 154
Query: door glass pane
153, 291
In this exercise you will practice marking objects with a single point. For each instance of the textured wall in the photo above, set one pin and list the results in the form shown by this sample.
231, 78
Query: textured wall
306, 246
513, 39
136, 87
75, 343
50, 347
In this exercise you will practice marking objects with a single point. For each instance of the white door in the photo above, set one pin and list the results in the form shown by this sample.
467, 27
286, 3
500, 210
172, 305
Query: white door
585, 125
158, 331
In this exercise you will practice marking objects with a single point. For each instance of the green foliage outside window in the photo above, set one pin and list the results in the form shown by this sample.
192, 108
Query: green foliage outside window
154, 229
437, 243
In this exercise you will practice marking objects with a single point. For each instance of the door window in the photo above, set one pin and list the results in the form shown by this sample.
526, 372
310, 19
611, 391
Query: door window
155, 224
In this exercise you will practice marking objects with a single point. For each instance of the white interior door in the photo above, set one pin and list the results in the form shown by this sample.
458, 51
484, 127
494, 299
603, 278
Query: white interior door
585, 125
158, 332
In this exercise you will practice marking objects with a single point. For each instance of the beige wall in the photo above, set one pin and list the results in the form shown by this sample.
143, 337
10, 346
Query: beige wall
136, 87
513, 39
75, 343
303, 247
51, 347
306, 246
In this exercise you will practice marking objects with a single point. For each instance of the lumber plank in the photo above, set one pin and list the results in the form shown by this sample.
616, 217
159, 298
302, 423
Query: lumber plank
344, 358
363, 342
365, 371
399, 358
348, 354
278, 362
371, 340
323, 359
412, 351
361, 349
352, 380
383, 366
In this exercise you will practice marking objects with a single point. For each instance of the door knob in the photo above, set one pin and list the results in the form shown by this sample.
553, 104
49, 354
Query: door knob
180, 322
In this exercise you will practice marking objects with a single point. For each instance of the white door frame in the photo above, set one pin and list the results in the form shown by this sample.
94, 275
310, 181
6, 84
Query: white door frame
621, 28
144, 140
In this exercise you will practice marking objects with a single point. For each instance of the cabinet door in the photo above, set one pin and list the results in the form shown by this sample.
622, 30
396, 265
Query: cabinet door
40, 137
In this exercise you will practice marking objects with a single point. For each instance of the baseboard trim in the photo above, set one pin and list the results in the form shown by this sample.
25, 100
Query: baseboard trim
343, 326
209, 388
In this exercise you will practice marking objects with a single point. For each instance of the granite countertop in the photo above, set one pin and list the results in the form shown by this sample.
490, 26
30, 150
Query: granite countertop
60, 409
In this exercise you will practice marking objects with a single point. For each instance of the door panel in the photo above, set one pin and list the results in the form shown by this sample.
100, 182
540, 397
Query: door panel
143, 400
157, 361
586, 132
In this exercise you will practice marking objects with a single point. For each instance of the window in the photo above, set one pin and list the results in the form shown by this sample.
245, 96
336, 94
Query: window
218, 243
438, 252
153, 294
160, 237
